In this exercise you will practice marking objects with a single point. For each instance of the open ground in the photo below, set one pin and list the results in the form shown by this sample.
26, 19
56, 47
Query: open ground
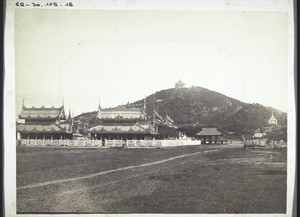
192, 179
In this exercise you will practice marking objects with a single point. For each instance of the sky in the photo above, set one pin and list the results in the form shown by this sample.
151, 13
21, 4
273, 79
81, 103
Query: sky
124, 56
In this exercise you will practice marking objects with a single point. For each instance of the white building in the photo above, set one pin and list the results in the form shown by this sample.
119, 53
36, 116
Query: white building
272, 120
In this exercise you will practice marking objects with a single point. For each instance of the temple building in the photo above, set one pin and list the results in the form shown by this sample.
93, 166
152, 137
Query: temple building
179, 84
272, 120
123, 123
44, 123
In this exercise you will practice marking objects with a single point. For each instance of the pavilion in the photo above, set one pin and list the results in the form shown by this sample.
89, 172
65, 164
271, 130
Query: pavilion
209, 134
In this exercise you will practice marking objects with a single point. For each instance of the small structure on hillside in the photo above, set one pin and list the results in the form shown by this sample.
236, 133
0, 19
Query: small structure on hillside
258, 135
210, 134
272, 120
179, 84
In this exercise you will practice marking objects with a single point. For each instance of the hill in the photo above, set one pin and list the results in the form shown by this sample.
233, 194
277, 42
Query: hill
196, 107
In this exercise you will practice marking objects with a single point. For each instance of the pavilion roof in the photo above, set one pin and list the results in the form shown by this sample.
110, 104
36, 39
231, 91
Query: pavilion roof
52, 128
128, 129
34, 113
121, 114
209, 132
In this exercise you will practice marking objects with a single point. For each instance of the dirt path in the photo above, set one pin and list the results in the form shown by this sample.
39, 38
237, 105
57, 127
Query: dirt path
111, 171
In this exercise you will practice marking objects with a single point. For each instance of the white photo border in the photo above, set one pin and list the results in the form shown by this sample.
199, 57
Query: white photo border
187, 5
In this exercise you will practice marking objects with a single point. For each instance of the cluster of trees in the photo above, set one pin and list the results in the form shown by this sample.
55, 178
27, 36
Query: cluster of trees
277, 135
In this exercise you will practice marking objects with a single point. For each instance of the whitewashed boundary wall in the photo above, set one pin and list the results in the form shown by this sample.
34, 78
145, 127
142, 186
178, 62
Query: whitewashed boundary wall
107, 143
40, 142
160, 143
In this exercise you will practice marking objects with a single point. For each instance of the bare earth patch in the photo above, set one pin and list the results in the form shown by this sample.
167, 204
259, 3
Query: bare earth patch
229, 180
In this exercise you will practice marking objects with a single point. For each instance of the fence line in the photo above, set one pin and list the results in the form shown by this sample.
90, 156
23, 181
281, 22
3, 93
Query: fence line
107, 143
130, 143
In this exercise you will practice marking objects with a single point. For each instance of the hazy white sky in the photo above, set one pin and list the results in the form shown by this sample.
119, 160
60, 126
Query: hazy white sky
126, 55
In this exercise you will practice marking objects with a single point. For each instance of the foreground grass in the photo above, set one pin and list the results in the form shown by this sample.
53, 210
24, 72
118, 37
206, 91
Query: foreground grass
228, 181
40, 164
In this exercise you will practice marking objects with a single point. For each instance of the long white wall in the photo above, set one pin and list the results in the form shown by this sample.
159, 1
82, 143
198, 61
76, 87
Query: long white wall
108, 143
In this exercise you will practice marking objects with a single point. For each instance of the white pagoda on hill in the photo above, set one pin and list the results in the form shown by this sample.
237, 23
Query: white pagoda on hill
272, 120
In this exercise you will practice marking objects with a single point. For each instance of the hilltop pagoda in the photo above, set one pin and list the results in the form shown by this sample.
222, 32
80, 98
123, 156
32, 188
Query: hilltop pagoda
44, 123
179, 84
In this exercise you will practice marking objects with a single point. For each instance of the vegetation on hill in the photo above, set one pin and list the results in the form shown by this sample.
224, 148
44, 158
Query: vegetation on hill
195, 107
277, 135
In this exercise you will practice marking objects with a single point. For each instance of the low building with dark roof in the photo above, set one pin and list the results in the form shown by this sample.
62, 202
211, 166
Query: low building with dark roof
210, 134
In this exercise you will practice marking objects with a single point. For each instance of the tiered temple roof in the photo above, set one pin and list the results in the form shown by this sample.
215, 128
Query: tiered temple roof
52, 128
117, 114
42, 113
134, 129
123, 120
44, 121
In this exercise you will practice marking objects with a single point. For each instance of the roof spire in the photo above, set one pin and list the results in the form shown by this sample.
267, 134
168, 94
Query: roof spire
145, 104
23, 105
69, 114
99, 106
144, 109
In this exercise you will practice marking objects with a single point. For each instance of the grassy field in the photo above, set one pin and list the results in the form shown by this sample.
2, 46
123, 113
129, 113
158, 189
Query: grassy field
218, 179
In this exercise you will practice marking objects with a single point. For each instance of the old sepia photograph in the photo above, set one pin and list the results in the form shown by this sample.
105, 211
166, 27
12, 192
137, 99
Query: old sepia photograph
151, 111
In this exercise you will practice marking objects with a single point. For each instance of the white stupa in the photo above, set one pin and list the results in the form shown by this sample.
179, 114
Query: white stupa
272, 120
